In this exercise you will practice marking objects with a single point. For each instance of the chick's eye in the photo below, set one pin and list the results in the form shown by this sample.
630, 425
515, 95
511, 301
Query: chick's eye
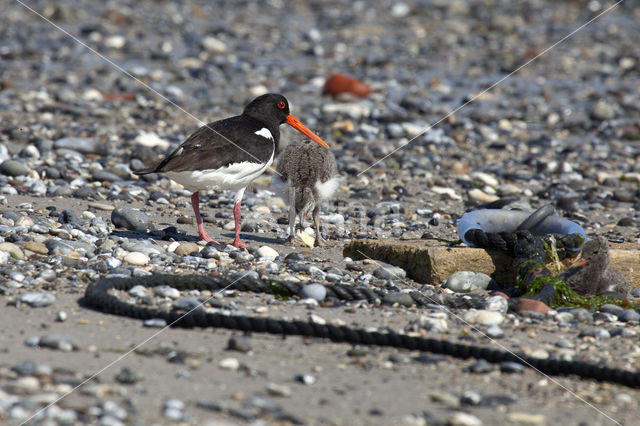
281, 105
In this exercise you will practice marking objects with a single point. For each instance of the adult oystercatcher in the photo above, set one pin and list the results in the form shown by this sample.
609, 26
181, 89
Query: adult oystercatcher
230, 153
305, 175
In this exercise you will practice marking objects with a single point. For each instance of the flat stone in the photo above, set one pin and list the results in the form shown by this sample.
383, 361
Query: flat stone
59, 341
83, 145
38, 300
15, 251
463, 419
432, 262
278, 390
402, 299
390, 273
526, 418
35, 247
101, 206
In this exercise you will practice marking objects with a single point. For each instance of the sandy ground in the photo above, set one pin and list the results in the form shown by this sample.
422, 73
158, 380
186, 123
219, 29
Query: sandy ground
365, 389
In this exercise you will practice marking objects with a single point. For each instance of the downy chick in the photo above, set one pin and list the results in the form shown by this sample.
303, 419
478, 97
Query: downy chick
306, 175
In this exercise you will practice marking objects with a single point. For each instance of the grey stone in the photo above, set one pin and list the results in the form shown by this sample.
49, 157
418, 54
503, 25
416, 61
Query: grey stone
403, 299
37, 300
127, 376
390, 273
239, 343
69, 216
83, 145
105, 176
481, 366
13, 168
59, 341
465, 281
26, 368
187, 304
166, 291
56, 246
629, 315
131, 219
612, 309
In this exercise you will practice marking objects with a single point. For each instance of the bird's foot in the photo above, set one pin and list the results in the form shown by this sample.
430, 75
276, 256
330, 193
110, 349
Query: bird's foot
289, 239
208, 239
239, 244
320, 242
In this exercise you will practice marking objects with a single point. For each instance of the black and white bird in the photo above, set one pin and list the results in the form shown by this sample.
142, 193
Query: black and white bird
228, 154
305, 176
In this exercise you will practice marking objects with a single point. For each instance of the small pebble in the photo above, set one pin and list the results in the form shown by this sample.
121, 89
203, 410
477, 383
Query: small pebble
313, 291
229, 364
239, 343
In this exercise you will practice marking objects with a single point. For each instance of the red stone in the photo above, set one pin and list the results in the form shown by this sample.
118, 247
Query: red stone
340, 83
126, 96
531, 305
501, 294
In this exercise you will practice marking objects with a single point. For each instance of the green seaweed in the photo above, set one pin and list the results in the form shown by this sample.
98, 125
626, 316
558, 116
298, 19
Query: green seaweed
566, 296
278, 290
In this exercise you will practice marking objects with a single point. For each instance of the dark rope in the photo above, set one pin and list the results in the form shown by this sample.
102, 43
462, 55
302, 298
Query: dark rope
97, 295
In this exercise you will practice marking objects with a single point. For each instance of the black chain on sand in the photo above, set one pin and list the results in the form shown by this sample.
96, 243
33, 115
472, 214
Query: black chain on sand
97, 295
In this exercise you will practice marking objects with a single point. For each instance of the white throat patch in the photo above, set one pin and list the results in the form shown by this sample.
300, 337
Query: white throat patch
265, 133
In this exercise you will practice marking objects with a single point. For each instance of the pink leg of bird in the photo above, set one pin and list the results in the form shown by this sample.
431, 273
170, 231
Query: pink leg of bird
236, 218
202, 234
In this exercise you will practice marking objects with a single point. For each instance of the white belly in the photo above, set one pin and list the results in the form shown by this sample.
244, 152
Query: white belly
233, 177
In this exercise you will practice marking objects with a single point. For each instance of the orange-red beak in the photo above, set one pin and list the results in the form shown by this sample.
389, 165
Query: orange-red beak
296, 124
580, 263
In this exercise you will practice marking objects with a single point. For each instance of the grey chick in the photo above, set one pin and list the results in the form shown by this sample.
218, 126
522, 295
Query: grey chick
306, 175
593, 274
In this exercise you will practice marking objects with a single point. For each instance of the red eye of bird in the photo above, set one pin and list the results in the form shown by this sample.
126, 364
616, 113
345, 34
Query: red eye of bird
281, 105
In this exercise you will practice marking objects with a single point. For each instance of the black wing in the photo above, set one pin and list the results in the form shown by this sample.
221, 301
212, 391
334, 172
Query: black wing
218, 144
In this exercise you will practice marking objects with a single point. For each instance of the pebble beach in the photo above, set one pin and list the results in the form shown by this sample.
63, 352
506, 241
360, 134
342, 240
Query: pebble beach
470, 103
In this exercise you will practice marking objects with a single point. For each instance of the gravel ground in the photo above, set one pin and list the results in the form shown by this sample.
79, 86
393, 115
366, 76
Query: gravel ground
564, 130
